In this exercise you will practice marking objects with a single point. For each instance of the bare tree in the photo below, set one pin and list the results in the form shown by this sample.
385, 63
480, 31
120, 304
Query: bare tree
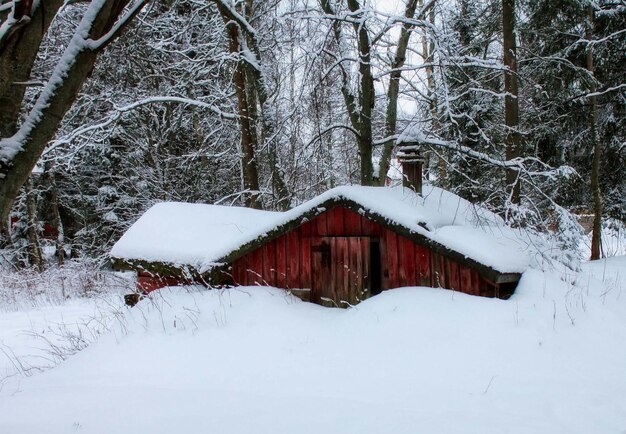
252, 90
359, 106
247, 112
394, 87
511, 102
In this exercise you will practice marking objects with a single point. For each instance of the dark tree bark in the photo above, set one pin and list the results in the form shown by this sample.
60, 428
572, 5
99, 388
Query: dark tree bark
596, 236
511, 104
246, 119
35, 257
366, 97
18, 50
257, 93
57, 223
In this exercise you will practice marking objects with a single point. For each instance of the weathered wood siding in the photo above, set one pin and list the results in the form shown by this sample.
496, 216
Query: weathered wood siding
148, 282
289, 261
340, 270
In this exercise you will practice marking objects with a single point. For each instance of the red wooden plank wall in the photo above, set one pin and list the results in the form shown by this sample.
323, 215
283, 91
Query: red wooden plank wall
148, 282
423, 275
349, 269
285, 262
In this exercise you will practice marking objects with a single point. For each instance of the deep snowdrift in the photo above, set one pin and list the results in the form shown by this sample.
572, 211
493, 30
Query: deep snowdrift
551, 359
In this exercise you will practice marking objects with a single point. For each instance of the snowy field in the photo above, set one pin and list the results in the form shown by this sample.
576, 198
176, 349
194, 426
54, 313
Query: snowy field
552, 359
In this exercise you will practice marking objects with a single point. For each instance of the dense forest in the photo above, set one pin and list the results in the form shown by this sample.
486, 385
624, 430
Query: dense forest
313, 216
109, 106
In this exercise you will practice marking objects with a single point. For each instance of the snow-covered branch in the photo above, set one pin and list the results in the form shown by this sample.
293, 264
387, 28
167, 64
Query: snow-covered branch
12, 22
236, 16
414, 141
120, 111
9, 147
117, 27
603, 92
600, 40
331, 128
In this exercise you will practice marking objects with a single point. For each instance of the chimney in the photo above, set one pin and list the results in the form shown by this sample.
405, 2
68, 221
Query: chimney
412, 162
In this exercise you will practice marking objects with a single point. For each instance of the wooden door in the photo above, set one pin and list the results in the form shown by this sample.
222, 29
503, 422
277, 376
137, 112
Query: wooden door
341, 270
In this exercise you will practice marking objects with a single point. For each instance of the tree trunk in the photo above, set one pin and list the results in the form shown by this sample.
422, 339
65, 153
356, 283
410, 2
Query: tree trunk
19, 153
248, 137
596, 236
511, 103
57, 224
5, 234
272, 137
34, 247
18, 51
359, 112
256, 86
394, 89
248, 134
366, 97
443, 157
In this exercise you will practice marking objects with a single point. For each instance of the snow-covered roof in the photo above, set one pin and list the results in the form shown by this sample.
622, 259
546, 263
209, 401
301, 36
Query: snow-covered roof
189, 234
202, 236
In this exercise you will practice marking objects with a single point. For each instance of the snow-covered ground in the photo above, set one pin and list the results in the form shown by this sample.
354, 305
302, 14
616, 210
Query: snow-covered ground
35, 339
552, 359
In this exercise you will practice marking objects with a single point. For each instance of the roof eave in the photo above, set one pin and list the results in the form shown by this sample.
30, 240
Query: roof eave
160, 268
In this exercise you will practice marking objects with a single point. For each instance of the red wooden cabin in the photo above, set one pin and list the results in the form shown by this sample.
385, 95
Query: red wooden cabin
338, 249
